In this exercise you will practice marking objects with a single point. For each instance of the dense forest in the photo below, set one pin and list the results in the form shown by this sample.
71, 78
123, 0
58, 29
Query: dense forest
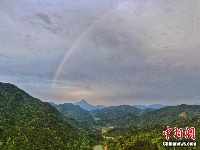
76, 112
147, 137
28, 123
129, 128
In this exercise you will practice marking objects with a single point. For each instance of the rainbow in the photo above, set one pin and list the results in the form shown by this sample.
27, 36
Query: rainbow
79, 39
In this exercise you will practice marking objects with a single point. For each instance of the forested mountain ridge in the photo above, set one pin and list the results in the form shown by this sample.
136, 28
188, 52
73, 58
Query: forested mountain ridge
126, 115
53, 104
147, 133
28, 123
85, 105
123, 115
76, 112
154, 106
113, 112
170, 114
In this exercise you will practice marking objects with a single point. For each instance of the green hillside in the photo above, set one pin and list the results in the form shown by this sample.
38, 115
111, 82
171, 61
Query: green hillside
123, 115
148, 132
114, 112
28, 123
76, 112
170, 114
80, 118
150, 137
131, 116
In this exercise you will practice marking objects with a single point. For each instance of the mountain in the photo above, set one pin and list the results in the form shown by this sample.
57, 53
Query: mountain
154, 106
85, 105
119, 115
125, 121
28, 123
170, 114
76, 112
150, 136
113, 112
146, 131
126, 115
53, 104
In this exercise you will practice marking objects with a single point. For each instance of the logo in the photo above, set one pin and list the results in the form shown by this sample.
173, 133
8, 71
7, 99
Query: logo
179, 133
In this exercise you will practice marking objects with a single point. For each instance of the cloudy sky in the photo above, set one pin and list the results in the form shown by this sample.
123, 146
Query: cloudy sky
108, 52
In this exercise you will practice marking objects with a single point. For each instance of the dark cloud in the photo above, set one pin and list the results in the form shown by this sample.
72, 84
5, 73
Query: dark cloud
44, 17
4, 56
121, 52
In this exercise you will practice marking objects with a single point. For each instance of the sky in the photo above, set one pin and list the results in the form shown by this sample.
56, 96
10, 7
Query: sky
108, 52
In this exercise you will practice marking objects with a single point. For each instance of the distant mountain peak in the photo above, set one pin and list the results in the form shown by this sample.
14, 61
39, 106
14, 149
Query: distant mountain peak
85, 105
52, 103
84, 101
154, 106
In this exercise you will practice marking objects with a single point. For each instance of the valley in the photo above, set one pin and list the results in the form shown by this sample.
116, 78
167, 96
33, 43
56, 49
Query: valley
128, 127
99, 75
29, 123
